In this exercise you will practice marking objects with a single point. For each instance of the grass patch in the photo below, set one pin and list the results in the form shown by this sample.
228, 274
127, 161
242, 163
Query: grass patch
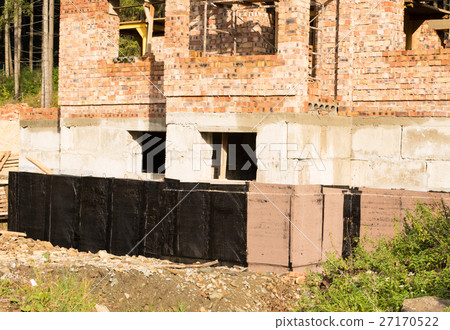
415, 263
51, 294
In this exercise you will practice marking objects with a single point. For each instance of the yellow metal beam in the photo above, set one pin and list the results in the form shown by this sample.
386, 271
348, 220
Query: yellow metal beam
141, 28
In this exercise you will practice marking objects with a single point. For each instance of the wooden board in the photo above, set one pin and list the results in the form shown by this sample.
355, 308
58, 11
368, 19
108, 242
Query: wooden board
3, 205
4, 158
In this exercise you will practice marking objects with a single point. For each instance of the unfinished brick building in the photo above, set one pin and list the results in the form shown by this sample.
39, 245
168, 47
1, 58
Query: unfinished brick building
362, 86
333, 92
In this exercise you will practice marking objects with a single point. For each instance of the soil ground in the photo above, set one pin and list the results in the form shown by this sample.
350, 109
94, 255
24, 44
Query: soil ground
147, 284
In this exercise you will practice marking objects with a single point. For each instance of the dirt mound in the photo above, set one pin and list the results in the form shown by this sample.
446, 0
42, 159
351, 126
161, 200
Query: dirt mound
148, 284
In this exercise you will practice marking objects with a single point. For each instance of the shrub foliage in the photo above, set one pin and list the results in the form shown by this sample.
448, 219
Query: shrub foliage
415, 263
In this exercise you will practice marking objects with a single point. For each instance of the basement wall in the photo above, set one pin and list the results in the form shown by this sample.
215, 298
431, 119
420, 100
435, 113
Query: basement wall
269, 227
402, 153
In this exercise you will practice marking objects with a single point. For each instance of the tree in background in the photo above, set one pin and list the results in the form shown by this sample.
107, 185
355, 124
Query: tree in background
48, 11
17, 45
5, 24
30, 44
13, 10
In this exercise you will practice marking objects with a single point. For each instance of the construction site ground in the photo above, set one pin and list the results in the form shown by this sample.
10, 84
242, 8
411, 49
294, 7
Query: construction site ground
131, 283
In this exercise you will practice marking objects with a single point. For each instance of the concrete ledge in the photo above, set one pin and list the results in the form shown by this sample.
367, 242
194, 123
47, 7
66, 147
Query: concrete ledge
39, 123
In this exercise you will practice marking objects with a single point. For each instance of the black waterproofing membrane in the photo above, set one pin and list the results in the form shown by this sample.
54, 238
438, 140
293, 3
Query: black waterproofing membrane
185, 221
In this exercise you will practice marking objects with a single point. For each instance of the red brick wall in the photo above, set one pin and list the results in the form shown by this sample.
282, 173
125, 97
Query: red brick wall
428, 38
403, 83
238, 83
369, 75
11, 112
90, 83
254, 30
375, 76
15, 112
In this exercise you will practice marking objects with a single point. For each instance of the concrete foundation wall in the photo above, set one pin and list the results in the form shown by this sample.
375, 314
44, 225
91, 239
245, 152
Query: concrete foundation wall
100, 147
408, 153
270, 227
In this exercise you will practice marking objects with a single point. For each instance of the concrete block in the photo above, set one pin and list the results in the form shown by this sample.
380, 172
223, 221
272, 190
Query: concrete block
376, 142
438, 174
389, 174
426, 143
317, 171
273, 172
92, 164
359, 172
115, 141
303, 140
188, 154
336, 142
39, 138
81, 139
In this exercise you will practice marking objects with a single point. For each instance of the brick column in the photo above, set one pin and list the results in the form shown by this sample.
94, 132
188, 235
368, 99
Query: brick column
88, 33
293, 40
176, 41
366, 28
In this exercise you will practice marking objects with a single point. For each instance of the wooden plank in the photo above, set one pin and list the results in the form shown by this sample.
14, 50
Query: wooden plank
439, 24
149, 14
223, 157
41, 166
4, 159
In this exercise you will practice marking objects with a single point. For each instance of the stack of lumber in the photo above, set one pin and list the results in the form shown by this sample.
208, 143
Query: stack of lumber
3, 204
8, 161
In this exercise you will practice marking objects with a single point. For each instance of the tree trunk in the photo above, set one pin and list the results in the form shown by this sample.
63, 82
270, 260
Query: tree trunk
51, 28
17, 47
8, 64
44, 61
30, 57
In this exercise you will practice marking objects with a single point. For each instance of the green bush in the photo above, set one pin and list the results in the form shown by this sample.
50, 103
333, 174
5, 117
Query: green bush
415, 263
6, 87
30, 82
29, 87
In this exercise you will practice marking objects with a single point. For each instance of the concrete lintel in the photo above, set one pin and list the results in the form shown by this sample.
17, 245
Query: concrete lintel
39, 123
402, 121
138, 124
249, 122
